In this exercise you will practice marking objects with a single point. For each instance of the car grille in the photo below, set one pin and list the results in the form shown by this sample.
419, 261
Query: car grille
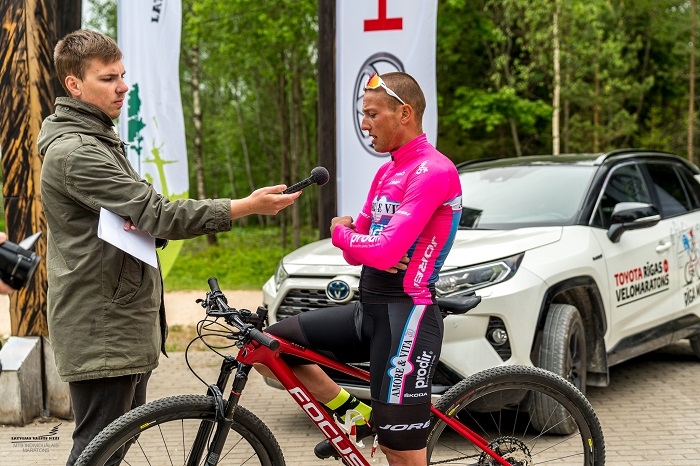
303, 300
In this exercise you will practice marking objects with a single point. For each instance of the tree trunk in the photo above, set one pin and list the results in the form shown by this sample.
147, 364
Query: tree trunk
557, 80
516, 137
325, 113
596, 100
596, 108
244, 147
296, 137
310, 159
271, 172
197, 123
284, 146
240, 221
566, 121
512, 123
642, 77
26, 98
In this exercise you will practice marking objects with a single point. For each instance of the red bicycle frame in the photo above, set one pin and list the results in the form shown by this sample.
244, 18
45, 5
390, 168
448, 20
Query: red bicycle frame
255, 353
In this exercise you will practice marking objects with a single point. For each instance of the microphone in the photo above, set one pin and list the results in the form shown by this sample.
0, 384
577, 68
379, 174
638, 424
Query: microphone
319, 176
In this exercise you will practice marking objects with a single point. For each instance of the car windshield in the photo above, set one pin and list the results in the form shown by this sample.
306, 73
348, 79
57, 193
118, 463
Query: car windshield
505, 198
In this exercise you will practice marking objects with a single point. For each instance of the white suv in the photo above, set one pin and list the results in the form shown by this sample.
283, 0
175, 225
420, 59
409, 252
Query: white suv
581, 261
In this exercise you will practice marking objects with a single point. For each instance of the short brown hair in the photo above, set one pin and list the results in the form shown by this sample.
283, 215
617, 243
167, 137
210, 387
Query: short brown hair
73, 53
408, 89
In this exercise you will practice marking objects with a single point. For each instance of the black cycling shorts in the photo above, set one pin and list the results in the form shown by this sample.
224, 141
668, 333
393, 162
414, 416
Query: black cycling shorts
401, 341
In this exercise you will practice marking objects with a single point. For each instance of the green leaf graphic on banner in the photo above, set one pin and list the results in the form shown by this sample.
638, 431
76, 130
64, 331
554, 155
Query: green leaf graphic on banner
135, 138
136, 124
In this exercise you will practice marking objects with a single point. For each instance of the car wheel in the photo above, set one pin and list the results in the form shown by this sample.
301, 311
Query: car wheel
695, 345
563, 351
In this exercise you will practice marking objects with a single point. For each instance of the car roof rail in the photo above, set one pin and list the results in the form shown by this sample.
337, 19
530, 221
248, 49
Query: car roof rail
473, 161
602, 157
630, 151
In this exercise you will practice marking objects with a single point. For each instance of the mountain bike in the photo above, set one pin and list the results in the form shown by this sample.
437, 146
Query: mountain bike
484, 420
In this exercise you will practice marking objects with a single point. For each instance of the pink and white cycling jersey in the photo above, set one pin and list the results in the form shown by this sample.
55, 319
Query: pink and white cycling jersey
414, 205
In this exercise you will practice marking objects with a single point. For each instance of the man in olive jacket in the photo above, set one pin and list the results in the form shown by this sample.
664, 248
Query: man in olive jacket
105, 307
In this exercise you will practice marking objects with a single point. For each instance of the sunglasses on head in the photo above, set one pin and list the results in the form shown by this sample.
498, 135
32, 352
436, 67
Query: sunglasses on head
375, 81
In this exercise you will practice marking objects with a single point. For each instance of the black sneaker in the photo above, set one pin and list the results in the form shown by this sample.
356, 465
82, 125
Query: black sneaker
324, 449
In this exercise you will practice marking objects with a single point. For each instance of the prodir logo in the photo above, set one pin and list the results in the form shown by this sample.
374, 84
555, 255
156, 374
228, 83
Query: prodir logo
381, 62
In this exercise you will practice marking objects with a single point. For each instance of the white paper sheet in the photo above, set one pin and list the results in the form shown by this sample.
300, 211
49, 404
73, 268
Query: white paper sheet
138, 243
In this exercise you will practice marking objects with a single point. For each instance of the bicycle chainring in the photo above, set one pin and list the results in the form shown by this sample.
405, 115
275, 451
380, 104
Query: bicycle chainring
510, 449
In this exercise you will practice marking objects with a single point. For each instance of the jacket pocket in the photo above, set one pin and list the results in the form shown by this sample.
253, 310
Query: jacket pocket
130, 279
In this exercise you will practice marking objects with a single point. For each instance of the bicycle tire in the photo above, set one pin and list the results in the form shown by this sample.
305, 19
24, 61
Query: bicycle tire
495, 404
163, 432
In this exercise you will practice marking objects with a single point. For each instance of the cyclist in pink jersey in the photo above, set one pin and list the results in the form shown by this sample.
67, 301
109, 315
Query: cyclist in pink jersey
401, 239
414, 205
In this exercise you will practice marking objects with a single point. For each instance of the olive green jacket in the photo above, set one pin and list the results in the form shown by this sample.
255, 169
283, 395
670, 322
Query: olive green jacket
105, 307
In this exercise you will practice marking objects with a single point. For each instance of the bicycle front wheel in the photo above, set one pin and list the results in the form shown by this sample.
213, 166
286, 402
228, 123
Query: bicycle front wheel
497, 404
163, 432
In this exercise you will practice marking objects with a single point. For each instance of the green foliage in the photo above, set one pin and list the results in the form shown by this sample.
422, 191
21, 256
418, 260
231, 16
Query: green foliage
624, 81
102, 16
243, 258
474, 107
248, 51
623, 75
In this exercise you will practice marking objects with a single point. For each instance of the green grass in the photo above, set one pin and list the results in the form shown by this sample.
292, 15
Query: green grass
243, 259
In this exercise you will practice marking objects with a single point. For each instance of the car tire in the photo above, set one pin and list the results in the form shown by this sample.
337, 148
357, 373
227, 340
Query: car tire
563, 352
695, 345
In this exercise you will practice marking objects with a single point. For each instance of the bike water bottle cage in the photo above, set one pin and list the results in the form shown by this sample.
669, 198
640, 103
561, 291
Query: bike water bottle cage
352, 417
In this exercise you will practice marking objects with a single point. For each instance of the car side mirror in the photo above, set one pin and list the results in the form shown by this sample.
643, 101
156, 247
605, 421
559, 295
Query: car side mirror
470, 217
631, 216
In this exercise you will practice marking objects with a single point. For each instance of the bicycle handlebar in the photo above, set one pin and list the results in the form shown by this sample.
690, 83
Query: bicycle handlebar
233, 317
213, 284
264, 339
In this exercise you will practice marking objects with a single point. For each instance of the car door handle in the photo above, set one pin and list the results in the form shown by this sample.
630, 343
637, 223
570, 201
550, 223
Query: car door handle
663, 247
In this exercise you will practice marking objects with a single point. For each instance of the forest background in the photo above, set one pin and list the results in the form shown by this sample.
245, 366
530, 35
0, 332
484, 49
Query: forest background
514, 78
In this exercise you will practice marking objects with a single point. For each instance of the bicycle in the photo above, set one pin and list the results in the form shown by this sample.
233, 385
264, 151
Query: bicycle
483, 420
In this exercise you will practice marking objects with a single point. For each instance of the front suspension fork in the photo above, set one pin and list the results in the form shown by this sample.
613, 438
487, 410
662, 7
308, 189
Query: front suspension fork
224, 413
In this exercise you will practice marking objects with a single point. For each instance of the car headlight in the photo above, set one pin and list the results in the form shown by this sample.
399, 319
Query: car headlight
477, 276
280, 275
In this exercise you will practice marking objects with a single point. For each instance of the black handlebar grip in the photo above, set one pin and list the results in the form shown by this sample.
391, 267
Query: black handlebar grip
264, 339
213, 284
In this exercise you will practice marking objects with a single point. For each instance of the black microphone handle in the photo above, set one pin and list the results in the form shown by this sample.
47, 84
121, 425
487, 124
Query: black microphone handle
300, 185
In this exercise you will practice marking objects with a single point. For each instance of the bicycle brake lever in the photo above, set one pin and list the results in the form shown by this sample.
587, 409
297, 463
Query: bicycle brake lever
218, 294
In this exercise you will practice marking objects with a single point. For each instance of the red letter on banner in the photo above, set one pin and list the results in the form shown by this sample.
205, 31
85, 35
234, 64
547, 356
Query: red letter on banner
382, 23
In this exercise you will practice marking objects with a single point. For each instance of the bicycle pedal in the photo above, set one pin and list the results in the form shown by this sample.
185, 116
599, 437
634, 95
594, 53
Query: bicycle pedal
324, 449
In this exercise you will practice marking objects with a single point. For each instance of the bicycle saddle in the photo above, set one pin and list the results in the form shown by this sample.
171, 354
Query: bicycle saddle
459, 304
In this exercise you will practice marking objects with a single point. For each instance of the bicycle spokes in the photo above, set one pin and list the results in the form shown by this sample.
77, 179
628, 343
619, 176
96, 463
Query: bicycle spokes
501, 411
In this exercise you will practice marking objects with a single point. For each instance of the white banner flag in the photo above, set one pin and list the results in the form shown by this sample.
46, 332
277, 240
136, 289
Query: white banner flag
377, 36
152, 122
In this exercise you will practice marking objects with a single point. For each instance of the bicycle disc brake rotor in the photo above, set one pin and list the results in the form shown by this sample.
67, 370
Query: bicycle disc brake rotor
510, 449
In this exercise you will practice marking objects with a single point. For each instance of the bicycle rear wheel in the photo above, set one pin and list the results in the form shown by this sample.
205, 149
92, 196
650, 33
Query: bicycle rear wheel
496, 403
163, 431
